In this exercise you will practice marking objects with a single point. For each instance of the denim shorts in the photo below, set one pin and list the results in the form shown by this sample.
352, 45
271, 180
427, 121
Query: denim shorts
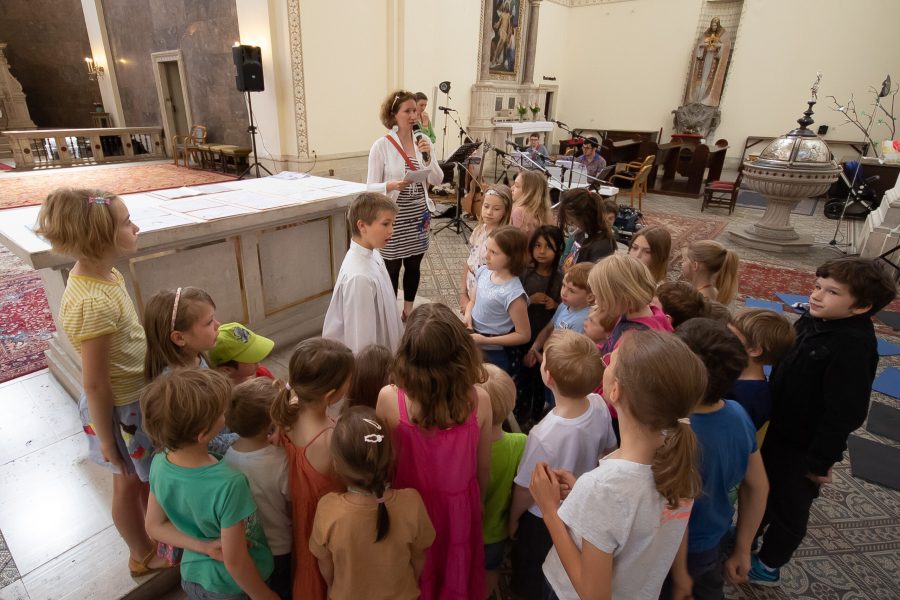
133, 443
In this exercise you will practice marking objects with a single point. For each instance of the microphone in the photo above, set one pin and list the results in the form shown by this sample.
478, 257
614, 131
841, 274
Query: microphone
418, 133
499, 151
446, 109
561, 124
514, 145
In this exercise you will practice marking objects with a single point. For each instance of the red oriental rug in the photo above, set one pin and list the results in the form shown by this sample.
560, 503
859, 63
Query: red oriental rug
26, 323
32, 189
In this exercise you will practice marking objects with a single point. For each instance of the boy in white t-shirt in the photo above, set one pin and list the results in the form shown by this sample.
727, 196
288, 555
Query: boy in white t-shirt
266, 469
573, 436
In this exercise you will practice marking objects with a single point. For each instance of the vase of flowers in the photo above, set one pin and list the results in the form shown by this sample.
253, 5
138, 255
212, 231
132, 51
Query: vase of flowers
535, 109
521, 110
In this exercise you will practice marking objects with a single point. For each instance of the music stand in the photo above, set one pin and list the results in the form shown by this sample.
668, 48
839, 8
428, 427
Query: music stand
459, 157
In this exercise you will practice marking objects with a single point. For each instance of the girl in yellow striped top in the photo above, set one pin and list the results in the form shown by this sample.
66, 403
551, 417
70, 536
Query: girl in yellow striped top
98, 316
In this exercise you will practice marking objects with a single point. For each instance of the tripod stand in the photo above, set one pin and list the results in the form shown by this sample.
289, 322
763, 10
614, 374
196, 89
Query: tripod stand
459, 158
252, 131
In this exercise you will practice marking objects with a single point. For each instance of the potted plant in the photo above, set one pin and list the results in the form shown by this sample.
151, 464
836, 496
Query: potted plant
521, 110
535, 109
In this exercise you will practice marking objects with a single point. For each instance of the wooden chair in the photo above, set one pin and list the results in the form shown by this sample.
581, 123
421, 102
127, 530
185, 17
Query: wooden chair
722, 193
638, 183
636, 166
187, 145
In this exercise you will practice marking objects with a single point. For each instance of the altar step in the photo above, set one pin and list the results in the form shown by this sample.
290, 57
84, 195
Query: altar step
55, 505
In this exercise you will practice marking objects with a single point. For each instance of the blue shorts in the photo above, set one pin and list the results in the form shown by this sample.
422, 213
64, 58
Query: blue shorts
133, 443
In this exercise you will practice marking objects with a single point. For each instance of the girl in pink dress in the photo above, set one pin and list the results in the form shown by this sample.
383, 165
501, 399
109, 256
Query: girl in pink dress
441, 429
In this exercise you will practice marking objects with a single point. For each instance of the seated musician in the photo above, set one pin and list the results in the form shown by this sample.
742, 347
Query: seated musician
591, 159
536, 150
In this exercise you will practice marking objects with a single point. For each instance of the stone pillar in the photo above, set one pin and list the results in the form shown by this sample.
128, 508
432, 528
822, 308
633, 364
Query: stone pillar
531, 45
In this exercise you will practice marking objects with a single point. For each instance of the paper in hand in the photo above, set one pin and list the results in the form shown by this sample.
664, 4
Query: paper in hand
416, 176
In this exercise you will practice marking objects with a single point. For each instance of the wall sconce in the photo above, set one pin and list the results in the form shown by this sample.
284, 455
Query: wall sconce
95, 71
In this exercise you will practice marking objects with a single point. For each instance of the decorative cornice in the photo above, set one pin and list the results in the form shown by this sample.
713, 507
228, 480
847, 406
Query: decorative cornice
297, 77
580, 3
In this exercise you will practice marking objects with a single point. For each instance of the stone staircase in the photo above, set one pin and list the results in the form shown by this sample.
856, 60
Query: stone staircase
5, 149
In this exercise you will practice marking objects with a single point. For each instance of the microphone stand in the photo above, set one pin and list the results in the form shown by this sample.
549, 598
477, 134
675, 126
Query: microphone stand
574, 135
444, 134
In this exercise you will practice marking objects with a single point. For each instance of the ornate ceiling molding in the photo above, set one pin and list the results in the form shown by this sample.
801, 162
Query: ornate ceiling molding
297, 77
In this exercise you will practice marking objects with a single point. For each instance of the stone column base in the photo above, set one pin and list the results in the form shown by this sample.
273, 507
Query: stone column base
748, 238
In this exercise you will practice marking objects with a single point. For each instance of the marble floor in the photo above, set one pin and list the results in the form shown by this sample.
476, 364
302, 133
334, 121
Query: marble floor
57, 538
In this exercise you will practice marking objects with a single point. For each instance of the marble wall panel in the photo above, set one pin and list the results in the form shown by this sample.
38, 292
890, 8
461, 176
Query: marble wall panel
47, 43
204, 31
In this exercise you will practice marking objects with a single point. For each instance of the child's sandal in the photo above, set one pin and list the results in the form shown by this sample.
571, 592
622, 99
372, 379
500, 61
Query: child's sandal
142, 567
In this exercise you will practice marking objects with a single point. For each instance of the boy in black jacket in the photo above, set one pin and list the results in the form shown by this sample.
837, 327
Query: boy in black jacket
820, 392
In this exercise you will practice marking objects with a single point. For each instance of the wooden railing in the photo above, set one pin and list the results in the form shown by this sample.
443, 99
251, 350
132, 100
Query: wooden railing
41, 148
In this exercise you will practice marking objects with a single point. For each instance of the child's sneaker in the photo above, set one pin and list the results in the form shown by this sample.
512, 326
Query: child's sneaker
761, 574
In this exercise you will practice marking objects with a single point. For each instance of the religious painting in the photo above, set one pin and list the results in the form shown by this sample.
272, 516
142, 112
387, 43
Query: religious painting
505, 23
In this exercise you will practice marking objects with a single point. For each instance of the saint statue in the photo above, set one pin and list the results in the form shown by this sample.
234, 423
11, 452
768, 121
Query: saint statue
709, 65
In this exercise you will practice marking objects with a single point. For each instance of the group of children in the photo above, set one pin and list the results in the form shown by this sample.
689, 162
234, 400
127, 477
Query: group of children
382, 466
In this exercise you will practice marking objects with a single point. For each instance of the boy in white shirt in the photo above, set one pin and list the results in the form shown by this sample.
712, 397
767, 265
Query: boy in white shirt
266, 468
573, 436
363, 307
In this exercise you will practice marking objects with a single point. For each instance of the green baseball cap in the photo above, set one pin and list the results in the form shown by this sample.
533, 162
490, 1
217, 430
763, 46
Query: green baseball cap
236, 342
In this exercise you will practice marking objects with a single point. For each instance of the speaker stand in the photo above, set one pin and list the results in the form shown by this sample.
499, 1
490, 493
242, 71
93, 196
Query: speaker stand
252, 131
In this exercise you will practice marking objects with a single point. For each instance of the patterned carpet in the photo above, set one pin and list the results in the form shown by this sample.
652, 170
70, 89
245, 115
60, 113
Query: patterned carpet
852, 549
25, 190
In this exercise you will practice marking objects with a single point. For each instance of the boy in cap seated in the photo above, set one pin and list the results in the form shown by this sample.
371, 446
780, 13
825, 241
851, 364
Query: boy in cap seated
238, 352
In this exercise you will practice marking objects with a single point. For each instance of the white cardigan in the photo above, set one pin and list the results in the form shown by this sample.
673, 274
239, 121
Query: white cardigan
386, 164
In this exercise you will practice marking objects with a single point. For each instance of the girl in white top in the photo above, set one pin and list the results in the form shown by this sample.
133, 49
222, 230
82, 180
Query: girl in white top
646, 487
494, 213
392, 156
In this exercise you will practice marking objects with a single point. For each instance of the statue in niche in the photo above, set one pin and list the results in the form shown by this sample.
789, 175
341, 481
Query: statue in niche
709, 66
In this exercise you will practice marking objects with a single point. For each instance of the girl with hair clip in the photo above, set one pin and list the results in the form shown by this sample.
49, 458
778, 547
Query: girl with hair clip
542, 282
579, 209
646, 487
370, 541
441, 428
181, 327
652, 246
98, 317
401, 151
494, 213
319, 375
712, 269
531, 202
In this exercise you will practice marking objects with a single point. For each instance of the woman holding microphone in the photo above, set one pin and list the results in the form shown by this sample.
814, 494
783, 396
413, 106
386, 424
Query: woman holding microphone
392, 156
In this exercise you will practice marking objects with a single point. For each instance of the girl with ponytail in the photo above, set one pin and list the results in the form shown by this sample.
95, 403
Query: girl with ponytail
370, 540
712, 269
319, 375
646, 487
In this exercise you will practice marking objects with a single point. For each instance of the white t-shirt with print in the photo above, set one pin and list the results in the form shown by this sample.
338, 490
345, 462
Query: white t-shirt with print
617, 508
